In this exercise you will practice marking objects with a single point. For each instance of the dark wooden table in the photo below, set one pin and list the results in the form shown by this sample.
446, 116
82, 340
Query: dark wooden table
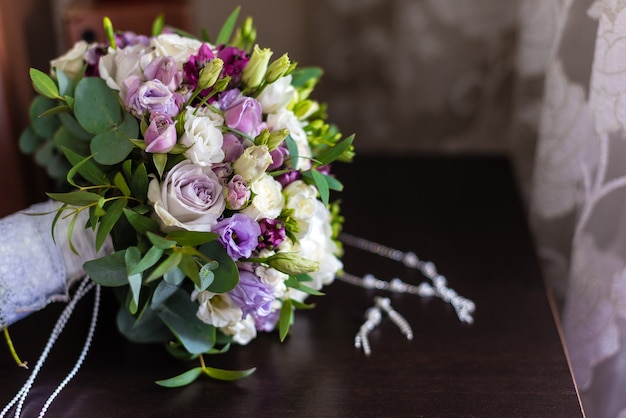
462, 213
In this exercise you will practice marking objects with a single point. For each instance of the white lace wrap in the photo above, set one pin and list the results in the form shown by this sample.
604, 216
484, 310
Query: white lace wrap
35, 271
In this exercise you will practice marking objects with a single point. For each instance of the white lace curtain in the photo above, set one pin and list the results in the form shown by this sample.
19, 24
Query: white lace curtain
543, 80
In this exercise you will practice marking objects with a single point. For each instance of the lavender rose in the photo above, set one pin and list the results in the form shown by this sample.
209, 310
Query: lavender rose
160, 137
191, 197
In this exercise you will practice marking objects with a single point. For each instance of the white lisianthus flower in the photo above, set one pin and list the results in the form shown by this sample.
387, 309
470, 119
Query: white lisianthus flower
243, 331
286, 119
72, 61
178, 47
268, 200
302, 198
190, 197
215, 309
276, 96
203, 136
119, 64
274, 278
253, 162
318, 246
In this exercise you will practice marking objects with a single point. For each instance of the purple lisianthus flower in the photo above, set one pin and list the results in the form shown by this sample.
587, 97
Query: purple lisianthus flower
160, 137
245, 115
151, 96
129, 38
272, 233
267, 323
92, 57
252, 295
239, 234
288, 177
164, 69
237, 193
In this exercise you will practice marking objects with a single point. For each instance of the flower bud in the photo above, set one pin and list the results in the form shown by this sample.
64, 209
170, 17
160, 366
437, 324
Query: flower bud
262, 137
291, 263
221, 84
305, 108
276, 138
209, 73
278, 68
254, 72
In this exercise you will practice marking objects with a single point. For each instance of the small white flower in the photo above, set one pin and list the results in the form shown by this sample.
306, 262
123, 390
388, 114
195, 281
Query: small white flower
268, 200
276, 96
203, 136
253, 162
286, 119
178, 47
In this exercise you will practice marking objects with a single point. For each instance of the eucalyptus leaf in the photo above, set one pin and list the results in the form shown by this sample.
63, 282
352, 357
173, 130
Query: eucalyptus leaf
140, 223
97, 108
43, 126
108, 221
148, 329
300, 77
66, 87
149, 259
112, 147
64, 138
85, 167
206, 277
159, 241
29, 141
169, 264
322, 186
293, 151
182, 379
73, 126
78, 198
174, 276
134, 280
109, 270
226, 274
193, 238
161, 293
179, 315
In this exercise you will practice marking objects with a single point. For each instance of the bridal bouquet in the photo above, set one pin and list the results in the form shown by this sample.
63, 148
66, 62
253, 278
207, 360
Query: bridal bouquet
203, 169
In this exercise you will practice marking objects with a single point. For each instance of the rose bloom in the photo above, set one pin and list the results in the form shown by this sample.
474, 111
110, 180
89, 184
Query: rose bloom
178, 47
277, 95
191, 197
203, 136
160, 136
286, 119
72, 61
268, 200
151, 96
119, 64
253, 162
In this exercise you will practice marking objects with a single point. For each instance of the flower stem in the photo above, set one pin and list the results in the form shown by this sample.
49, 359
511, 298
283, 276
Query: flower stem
12, 349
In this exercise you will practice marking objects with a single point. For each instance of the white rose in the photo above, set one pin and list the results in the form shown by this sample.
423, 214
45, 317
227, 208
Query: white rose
268, 199
203, 136
253, 162
286, 119
178, 47
277, 95
119, 64
191, 197
72, 61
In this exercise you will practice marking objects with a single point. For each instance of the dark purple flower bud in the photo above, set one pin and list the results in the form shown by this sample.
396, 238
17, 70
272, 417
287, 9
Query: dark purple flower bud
272, 233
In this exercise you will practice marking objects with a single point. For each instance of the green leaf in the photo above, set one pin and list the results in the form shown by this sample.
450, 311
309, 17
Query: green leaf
332, 153
160, 242
108, 221
192, 238
109, 270
74, 127
76, 198
285, 319
150, 258
179, 315
142, 224
174, 277
147, 329
112, 147
64, 138
157, 25
121, 184
85, 167
227, 28
206, 275
65, 83
293, 151
44, 126
160, 161
226, 274
134, 280
222, 374
188, 266
169, 264
29, 141
300, 77
139, 183
161, 293
182, 379
322, 186
43, 84
295, 284
97, 108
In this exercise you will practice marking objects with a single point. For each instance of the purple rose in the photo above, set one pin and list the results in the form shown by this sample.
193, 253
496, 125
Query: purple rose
252, 296
232, 147
245, 115
160, 137
164, 69
237, 193
151, 96
190, 197
239, 234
